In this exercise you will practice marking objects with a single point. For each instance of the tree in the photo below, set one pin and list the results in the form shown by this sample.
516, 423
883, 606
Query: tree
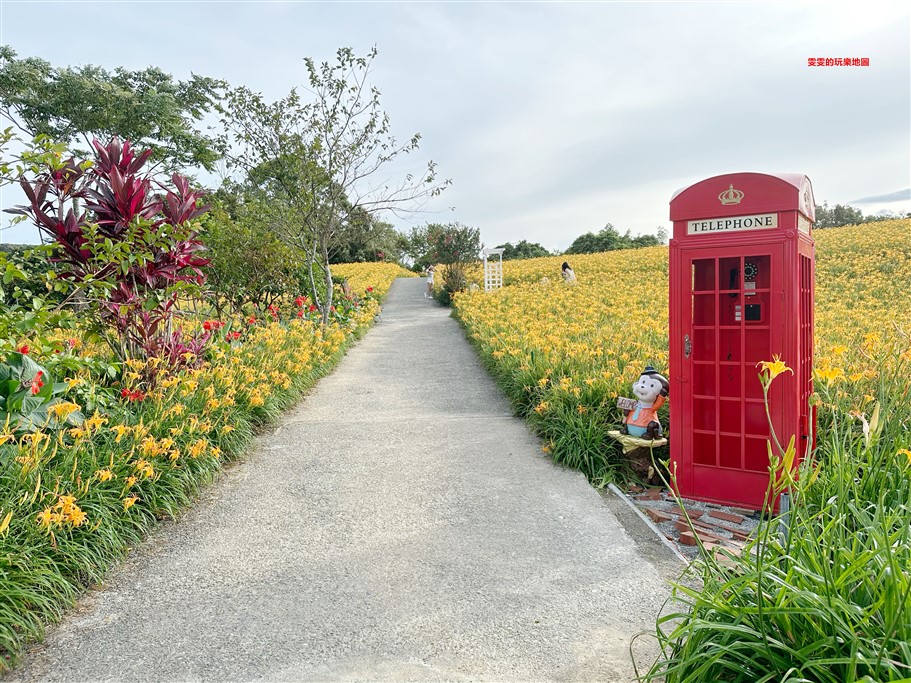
456, 246
416, 248
837, 215
453, 243
609, 239
325, 157
522, 250
364, 237
77, 104
249, 262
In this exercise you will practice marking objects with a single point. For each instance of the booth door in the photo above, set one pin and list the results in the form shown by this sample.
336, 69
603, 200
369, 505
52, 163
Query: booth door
734, 323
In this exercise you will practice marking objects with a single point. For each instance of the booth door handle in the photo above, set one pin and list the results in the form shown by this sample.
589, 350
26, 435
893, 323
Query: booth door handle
687, 346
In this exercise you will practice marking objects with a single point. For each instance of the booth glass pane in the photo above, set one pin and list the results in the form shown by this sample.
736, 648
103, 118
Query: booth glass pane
755, 420
704, 414
703, 309
752, 386
729, 273
758, 272
757, 347
704, 379
729, 381
729, 452
729, 416
704, 448
704, 344
730, 310
756, 454
729, 346
704, 275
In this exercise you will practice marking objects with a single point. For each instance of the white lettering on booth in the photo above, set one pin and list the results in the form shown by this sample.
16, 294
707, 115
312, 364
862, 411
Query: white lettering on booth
758, 222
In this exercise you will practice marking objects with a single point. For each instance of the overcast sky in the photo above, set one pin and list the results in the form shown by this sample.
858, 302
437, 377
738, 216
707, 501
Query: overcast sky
552, 119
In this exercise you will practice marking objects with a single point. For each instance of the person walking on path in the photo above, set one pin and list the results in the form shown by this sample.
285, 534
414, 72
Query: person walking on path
568, 273
429, 293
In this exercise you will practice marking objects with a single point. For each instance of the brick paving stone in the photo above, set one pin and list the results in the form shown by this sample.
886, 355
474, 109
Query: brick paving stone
649, 495
724, 559
739, 534
726, 516
711, 528
681, 525
743, 511
658, 516
676, 510
635, 489
687, 538
709, 536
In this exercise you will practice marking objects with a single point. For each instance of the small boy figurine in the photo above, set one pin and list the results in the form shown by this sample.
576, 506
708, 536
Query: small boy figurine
651, 390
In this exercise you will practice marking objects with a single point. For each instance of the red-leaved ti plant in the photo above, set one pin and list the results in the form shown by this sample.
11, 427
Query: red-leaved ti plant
133, 251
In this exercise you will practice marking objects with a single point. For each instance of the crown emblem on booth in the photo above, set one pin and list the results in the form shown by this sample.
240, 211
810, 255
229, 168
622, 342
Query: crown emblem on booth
730, 196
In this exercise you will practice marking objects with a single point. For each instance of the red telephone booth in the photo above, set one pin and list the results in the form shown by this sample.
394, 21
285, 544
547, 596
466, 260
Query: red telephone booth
742, 268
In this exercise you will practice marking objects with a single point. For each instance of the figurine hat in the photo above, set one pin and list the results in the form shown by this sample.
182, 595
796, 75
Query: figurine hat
649, 370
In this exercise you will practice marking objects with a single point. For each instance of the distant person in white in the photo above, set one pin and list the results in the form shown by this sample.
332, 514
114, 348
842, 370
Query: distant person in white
568, 273
429, 293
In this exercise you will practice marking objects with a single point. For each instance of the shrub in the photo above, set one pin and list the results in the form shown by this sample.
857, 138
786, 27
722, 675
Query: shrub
134, 256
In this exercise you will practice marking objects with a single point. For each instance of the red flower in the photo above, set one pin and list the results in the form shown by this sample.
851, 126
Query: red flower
129, 395
251, 320
72, 343
299, 301
312, 308
300, 313
232, 336
370, 289
23, 349
37, 383
210, 325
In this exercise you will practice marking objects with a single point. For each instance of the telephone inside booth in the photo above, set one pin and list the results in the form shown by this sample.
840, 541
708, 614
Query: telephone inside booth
747, 295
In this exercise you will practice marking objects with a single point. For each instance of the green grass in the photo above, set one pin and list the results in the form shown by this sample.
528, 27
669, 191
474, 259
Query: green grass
832, 602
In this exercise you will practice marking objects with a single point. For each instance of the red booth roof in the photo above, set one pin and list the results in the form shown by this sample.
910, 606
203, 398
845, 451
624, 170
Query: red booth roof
761, 192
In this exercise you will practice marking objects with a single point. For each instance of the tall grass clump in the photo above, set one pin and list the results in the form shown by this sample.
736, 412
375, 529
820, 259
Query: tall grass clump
823, 594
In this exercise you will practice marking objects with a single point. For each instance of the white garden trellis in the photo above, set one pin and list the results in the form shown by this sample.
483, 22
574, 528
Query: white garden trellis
493, 269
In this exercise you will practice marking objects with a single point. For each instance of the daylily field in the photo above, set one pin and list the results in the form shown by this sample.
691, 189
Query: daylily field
564, 353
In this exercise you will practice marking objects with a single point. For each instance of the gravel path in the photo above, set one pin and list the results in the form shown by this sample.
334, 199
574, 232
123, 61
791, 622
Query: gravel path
400, 524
